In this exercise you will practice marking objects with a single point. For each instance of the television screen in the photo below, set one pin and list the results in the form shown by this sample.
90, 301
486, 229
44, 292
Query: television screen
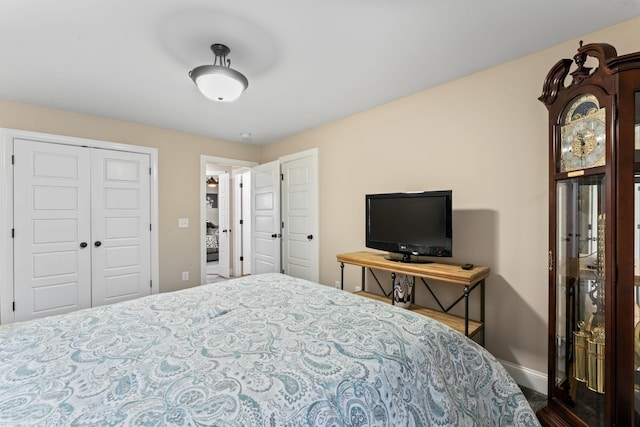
410, 223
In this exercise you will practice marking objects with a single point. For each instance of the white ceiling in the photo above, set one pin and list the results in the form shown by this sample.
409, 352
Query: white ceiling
308, 62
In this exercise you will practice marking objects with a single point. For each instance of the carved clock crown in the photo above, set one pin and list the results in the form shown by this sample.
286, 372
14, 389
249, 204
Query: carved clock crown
554, 83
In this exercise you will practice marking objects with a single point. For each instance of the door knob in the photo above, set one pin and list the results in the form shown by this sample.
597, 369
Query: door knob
310, 236
83, 244
97, 244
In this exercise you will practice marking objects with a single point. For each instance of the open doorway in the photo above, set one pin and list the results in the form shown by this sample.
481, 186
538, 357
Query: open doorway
212, 223
225, 218
245, 190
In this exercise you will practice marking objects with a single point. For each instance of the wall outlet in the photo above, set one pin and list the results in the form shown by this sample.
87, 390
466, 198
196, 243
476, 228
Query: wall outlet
183, 222
185, 276
358, 288
337, 284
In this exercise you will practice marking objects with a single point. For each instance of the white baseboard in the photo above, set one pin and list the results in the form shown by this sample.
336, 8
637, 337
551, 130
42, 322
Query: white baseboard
527, 377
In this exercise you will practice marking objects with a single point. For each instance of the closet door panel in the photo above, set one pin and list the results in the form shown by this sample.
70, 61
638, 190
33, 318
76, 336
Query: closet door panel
52, 273
120, 226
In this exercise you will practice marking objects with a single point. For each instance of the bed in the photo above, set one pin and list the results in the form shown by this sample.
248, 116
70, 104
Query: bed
263, 350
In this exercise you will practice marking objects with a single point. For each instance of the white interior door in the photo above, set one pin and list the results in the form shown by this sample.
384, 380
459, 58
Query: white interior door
224, 231
52, 242
265, 218
300, 218
121, 234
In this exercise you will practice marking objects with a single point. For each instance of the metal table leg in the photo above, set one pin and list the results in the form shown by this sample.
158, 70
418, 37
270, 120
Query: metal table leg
466, 310
393, 283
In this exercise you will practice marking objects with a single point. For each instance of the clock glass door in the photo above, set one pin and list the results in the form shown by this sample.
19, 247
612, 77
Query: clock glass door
637, 129
636, 256
580, 304
636, 291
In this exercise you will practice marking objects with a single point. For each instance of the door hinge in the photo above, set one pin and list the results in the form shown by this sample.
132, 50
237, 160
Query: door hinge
14, 306
13, 159
282, 225
149, 227
241, 185
281, 177
241, 258
13, 233
149, 171
151, 283
550, 260
241, 221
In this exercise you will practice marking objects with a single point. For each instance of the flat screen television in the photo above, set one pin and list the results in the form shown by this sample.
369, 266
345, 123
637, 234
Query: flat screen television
410, 224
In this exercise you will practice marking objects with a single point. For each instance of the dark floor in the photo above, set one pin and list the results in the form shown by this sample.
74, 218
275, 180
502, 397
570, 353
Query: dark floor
535, 399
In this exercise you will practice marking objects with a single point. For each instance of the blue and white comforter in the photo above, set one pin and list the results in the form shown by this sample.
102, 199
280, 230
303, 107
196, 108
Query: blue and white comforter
266, 350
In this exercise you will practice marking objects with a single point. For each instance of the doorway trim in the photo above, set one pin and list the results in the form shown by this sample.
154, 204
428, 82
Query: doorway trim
6, 204
223, 161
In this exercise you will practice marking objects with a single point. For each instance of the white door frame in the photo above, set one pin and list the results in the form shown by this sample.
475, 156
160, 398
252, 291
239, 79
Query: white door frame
6, 205
204, 159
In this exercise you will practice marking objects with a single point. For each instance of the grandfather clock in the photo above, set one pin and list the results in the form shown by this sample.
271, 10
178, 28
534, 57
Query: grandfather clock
594, 239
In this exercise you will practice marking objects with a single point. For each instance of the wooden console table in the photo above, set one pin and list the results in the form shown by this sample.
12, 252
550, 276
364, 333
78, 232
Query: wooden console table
447, 273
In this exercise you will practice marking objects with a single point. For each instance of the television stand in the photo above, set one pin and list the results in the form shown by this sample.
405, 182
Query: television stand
447, 273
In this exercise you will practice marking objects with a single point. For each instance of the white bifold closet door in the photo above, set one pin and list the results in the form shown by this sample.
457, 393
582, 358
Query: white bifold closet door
82, 227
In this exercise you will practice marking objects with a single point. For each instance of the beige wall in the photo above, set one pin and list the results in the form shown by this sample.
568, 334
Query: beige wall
483, 136
178, 174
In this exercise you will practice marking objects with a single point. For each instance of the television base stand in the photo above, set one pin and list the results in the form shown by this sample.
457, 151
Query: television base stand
406, 258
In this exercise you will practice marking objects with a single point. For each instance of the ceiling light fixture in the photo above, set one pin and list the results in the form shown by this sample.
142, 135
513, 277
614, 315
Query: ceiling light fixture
218, 81
212, 182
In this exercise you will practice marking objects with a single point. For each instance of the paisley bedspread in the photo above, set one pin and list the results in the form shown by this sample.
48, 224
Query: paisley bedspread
264, 350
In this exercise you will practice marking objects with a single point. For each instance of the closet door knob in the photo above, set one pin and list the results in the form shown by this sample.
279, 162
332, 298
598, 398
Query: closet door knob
97, 244
83, 244
310, 236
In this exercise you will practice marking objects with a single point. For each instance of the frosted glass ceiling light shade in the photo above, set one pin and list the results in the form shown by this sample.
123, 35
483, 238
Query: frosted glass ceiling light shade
219, 82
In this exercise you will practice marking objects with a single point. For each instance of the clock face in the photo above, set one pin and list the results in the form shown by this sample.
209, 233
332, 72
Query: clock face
583, 135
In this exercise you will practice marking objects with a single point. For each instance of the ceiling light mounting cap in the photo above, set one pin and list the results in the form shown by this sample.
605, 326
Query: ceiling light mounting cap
220, 49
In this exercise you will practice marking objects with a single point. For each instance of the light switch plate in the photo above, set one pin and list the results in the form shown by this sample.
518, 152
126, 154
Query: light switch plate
183, 222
